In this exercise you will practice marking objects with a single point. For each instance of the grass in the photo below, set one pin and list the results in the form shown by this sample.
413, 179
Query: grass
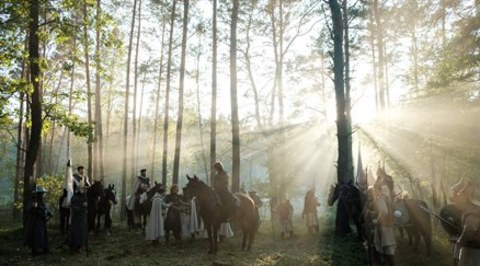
129, 248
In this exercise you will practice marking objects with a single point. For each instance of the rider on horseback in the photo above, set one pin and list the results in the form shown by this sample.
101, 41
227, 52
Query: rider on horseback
220, 185
141, 185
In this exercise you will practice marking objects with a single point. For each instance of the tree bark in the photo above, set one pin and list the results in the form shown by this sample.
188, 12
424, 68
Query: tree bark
213, 111
35, 107
157, 104
125, 124
167, 96
89, 93
234, 100
345, 164
178, 137
379, 33
135, 93
98, 98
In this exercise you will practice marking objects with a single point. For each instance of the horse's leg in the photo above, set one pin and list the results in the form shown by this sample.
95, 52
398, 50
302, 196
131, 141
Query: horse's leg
216, 227
99, 217
244, 237
209, 226
108, 221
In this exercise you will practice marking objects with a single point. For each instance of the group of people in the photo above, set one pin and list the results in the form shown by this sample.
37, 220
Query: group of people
461, 220
73, 217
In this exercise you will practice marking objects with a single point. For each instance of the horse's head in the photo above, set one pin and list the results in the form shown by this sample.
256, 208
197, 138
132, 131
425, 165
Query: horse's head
347, 191
333, 194
96, 190
195, 186
157, 187
111, 193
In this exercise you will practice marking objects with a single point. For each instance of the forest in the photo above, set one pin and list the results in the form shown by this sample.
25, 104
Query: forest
290, 95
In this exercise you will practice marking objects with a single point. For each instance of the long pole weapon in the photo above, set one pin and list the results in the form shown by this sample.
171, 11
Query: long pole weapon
437, 216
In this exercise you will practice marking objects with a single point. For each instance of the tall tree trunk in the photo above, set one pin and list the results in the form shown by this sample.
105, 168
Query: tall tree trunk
213, 111
35, 107
89, 92
234, 100
137, 137
199, 109
167, 96
178, 137
374, 59
379, 33
248, 65
345, 164
98, 97
348, 100
415, 60
20, 137
157, 103
135, 93
125, 123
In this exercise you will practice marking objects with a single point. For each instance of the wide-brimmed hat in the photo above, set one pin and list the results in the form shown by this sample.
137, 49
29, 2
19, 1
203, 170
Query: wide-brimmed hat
40, 189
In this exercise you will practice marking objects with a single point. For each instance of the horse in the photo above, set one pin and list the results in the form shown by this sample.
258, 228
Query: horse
212, 213
144, 206
105, 204
349, 208
94, 193
410, 214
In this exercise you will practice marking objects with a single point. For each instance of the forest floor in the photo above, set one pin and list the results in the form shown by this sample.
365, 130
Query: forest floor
129, 248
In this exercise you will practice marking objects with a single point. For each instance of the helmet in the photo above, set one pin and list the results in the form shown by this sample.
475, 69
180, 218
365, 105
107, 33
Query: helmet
40, 189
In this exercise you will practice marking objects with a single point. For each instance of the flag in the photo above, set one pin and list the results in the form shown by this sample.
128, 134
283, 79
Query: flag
69, 182
360, 179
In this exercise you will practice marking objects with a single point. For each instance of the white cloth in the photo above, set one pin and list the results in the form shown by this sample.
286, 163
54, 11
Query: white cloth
131, 201
154, 229
189, 221
225, 230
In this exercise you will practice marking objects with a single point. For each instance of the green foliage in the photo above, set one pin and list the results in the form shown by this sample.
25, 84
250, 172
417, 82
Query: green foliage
54, 185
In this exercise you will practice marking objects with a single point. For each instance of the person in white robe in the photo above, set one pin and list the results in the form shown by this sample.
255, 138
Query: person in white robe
154, 230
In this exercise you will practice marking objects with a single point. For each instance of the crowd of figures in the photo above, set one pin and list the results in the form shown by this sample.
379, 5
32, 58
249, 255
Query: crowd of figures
377, 211
199, 211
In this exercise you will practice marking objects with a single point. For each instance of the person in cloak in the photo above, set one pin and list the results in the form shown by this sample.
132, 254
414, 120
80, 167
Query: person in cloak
384, 236
467, 247
224, 196
38, 215
77, 231
285, 213
141, 185
154, 230
310, 211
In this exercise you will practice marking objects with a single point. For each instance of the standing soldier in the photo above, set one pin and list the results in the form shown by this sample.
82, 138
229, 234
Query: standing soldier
258, 204
310, 211
467, 248
384, 238
38, 215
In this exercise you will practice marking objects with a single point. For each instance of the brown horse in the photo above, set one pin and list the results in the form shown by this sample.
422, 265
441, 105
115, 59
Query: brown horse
411, 214
211, 213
